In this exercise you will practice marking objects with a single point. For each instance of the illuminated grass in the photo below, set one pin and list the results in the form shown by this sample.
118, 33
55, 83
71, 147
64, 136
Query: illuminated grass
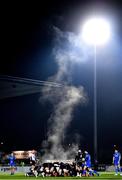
105, 176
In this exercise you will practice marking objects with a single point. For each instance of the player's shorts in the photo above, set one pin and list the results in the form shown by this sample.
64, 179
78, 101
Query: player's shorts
88, 165
33, 163
12, 164
116, 163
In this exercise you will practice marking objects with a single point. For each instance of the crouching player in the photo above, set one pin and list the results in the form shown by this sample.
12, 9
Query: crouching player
87, 167
33, 172
116, 162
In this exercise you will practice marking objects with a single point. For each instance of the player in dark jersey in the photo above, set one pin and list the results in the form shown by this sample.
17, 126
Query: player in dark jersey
33, 159
78, 158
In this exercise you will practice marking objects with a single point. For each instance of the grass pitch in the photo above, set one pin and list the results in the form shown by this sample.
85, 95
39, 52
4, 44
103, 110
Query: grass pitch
104, 176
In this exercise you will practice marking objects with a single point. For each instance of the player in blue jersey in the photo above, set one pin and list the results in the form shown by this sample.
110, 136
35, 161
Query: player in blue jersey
88, 165
116, 162
12, 163
87, 159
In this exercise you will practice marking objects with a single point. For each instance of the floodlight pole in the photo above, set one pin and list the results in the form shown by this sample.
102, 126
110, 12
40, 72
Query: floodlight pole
95, 105
94, 38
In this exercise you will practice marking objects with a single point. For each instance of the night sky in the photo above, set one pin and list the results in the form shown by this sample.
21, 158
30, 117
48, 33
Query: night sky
26, 51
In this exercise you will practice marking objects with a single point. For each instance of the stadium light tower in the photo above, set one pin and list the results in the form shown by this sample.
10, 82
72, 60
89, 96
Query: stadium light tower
96, 32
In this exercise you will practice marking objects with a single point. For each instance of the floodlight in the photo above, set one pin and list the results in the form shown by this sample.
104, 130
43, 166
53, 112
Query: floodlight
96, 31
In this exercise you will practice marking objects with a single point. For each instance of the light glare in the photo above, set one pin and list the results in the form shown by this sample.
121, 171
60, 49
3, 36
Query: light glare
96, 31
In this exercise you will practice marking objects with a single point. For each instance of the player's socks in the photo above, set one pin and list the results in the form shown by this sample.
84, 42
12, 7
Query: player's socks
95, 172
120, 171
116, 171
91, 173
84, 172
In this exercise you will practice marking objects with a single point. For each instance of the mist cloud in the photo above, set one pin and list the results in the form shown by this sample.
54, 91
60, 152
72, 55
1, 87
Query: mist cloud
66, 52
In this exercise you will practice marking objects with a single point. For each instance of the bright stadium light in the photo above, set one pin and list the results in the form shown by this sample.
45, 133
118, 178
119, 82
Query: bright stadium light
96, 31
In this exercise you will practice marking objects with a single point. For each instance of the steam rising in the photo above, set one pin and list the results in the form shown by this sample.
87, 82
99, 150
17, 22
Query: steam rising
65, 99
